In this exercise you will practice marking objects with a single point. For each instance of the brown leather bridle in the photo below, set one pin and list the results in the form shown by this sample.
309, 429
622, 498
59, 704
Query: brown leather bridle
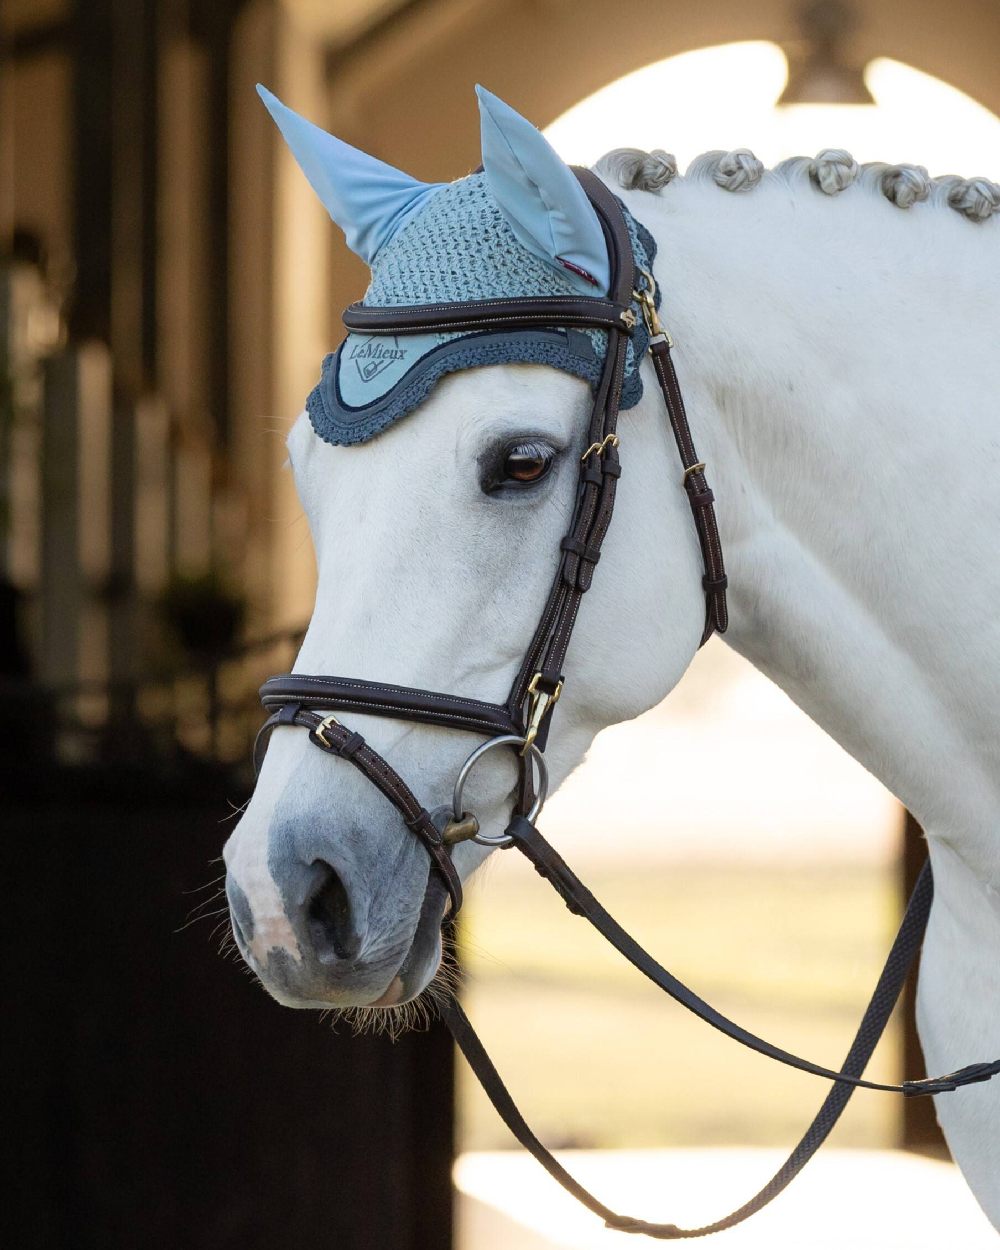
522, 722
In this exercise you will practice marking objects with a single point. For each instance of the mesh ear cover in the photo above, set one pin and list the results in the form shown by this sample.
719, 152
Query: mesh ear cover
458, 247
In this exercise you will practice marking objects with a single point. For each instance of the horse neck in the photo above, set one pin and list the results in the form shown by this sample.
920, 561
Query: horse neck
836, 383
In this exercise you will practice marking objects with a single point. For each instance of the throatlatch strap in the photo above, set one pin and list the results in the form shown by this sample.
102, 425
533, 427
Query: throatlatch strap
890, 983
700, 496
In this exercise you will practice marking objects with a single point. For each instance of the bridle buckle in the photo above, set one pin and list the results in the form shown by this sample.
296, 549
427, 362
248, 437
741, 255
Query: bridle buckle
542, 702
595, 449
320, 731
647, 302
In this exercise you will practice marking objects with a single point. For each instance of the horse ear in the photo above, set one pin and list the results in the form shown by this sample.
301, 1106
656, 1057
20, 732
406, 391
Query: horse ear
368, 199
540, 197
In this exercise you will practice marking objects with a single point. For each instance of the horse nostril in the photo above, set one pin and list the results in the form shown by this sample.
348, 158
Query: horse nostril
328, 916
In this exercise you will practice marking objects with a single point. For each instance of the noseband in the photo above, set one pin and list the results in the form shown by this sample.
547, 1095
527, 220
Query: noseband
522, 723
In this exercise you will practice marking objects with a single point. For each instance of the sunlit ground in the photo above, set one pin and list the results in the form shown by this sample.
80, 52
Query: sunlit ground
772, 893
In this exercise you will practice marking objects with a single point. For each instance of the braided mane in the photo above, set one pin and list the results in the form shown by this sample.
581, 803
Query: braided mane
832, 171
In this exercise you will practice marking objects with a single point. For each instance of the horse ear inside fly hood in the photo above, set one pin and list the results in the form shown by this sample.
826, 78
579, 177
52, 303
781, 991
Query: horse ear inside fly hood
521, 227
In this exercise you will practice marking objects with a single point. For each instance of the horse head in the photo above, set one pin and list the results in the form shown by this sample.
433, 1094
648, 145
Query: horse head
438, 473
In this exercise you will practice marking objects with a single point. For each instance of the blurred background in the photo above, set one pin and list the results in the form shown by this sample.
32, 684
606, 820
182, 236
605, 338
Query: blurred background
168, 287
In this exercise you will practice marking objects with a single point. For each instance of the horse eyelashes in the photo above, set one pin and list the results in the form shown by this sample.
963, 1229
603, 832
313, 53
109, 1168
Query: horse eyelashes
519, 463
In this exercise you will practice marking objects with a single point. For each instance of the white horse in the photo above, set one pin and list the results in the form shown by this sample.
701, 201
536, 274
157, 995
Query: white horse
840, 365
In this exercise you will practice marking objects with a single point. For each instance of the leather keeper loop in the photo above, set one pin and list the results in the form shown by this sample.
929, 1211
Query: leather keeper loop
701, 498
714, 584
593, 473
352, 746
428, 829
589, 554
288, 712
549, 683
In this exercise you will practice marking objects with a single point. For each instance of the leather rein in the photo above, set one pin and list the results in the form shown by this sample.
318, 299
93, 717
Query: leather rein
521, 724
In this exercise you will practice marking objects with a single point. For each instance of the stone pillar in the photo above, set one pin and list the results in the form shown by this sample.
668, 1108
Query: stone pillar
76, 510
151, 536
280, 285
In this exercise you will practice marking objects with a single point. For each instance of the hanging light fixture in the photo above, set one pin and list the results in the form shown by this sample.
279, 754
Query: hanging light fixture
820, 68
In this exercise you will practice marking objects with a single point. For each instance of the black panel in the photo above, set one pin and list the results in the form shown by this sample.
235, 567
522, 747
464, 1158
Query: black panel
157, 1097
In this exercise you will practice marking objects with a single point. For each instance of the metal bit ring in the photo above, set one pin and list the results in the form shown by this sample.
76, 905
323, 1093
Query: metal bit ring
534, 759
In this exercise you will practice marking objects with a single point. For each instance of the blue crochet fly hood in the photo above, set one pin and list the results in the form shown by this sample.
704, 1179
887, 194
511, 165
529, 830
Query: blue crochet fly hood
521, 227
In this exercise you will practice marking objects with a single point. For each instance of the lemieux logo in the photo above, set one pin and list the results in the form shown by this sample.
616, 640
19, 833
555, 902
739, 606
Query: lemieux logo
375, 353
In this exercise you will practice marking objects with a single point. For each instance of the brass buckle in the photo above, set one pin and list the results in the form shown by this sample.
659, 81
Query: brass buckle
320, 730
541, 704
647, 302
596, 449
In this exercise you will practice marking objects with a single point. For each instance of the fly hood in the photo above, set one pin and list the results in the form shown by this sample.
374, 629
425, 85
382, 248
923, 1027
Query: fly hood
521, 227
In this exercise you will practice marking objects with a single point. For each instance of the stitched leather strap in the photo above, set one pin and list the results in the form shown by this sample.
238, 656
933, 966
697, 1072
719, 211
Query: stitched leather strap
598, 479
700, 497
517, 312
379, 699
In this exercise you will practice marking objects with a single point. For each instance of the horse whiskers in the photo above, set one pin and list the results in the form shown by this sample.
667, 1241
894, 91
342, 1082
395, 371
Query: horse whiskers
200, 910
416, 1015
229, 950
208, 885
205, 915
466, 946
391, 1022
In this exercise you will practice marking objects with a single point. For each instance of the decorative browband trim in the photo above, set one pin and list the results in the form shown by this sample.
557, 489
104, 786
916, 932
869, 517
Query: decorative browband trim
491, 314
380, 699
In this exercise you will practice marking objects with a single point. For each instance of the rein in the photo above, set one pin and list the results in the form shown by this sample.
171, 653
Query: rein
522, 723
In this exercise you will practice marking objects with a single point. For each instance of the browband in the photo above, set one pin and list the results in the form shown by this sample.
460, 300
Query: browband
491, 314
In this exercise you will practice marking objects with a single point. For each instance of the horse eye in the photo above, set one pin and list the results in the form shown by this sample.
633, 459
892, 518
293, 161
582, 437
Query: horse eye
527, 462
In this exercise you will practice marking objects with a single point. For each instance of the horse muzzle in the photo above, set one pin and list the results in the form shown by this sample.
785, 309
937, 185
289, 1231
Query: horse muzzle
321, 934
